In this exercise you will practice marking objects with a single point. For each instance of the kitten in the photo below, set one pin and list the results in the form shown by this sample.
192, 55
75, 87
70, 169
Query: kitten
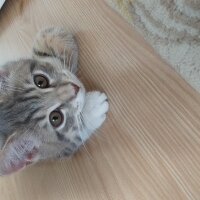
45, 111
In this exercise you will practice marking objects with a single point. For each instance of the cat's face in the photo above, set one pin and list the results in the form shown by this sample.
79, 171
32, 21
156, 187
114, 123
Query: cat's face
40, 105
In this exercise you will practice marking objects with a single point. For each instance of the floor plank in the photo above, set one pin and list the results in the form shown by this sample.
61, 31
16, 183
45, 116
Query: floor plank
150, 144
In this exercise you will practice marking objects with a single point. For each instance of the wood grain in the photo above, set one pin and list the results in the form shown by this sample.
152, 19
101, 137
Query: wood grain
149, 147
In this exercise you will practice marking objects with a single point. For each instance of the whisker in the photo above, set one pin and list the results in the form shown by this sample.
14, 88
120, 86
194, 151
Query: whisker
83, 143
64, 57
82, 122
99, 130
70, 60
14, 89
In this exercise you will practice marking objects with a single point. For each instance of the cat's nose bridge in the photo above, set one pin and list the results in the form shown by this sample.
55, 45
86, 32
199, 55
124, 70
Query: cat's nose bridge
67, 91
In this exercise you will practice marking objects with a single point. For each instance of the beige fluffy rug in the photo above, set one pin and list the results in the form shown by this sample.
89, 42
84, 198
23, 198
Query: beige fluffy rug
172, 27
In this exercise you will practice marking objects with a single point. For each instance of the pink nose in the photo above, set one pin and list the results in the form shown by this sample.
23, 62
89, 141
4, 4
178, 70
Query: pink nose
76, 88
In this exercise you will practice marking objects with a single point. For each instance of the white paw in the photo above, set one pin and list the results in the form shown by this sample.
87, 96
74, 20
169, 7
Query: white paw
95, 109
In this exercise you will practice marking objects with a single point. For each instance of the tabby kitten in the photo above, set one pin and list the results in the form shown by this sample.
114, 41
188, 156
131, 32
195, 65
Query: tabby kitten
45, 111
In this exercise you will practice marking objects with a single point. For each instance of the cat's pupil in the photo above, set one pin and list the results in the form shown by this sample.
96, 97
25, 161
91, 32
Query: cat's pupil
55, 118
40, 83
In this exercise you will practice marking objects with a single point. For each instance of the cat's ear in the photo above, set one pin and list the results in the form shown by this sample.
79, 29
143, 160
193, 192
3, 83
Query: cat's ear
57, 43
4, 73
18, 153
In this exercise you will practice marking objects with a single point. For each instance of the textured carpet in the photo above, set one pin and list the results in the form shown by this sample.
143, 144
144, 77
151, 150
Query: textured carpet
172, 27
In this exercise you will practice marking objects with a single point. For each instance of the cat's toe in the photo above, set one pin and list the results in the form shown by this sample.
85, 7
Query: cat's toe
102, 97
103, 107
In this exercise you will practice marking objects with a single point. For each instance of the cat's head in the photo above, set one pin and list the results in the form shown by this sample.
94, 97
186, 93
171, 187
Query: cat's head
39, 107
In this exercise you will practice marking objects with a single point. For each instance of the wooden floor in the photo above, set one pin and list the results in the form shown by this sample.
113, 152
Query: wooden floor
149, 148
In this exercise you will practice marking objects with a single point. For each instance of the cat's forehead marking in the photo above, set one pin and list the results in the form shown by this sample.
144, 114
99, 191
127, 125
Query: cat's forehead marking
28, 90
44, 67
32, 66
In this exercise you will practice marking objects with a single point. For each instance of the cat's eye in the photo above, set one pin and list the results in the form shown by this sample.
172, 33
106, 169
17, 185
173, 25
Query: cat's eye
41, 81
56, 118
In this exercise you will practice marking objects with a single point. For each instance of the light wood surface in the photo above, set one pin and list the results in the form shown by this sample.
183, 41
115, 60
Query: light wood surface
149, 147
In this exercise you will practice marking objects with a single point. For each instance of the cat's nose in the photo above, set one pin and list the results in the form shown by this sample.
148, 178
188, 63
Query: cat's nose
76, 88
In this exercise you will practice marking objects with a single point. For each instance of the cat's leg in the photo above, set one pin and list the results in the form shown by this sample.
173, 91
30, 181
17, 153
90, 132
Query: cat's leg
56, 43
93, 113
